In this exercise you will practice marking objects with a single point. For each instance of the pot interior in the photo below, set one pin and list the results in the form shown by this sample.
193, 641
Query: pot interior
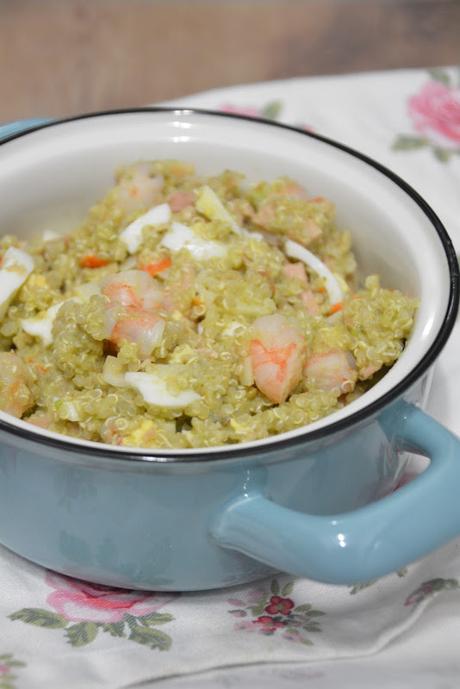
50, 177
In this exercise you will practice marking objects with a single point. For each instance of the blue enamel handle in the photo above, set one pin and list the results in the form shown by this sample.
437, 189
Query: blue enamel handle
371, 541
20, 126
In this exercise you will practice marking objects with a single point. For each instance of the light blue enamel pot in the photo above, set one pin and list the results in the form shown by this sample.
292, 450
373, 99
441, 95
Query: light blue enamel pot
316, 502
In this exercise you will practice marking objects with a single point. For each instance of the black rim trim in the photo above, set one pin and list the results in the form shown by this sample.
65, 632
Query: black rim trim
337, 426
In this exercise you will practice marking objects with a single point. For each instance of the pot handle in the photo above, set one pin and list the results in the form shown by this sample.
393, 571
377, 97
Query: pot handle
20, 126
366, 543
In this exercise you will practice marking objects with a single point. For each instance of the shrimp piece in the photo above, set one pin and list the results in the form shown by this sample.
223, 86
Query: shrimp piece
368, 371
133, 289
144, 328
295, 270
138, 189
332, 371
15, 394
267, 219
134, 297
277, 354
179, 200
310, 302
292, 190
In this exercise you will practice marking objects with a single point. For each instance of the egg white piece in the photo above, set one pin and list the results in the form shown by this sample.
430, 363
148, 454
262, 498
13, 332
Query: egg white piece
42, 327
295, 250
132, 235
16, 267
210, 205
182, 237
154, 391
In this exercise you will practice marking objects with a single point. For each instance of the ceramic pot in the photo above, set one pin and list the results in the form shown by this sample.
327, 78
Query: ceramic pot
316, 502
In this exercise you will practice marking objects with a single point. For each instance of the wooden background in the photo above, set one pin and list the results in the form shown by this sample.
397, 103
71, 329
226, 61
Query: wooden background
62, 57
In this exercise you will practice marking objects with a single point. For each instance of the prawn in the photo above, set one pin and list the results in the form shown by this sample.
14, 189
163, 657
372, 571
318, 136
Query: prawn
133, 301
137, 188
179, 200
310, 302
296, 270
332, 371
133, 289
144, 328
277, 355
15, 394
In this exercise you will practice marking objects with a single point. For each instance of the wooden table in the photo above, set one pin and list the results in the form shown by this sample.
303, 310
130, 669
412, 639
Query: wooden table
62, 57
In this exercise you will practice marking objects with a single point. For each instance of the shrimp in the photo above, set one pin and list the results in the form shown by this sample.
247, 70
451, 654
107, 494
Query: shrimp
277, 355
310, 302
134, 299
368, 371
287, 187
15, 394
296, 270
332, 371
138, 189
144, 328
179, 200
286, 210
133, 289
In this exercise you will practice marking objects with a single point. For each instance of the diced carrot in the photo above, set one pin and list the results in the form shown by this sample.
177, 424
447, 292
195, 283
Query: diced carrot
92, 261
157, 267
335, 308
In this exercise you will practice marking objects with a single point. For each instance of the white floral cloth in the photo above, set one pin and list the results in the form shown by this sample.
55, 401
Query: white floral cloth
56, 632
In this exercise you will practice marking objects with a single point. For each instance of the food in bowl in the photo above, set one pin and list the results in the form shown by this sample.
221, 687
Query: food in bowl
190, 311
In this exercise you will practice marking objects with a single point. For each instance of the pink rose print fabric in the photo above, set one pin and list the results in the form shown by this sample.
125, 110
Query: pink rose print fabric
275, 612
272, 110
8, 665
435, 112
430, 588
79, 601
435, 115
268, 111
92, 608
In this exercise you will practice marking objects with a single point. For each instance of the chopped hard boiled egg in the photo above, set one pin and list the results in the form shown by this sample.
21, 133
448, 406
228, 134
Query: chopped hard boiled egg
153, 389
42, 327
182, 237
132, 235
16, 267
210, 205
113, 373
295, 250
